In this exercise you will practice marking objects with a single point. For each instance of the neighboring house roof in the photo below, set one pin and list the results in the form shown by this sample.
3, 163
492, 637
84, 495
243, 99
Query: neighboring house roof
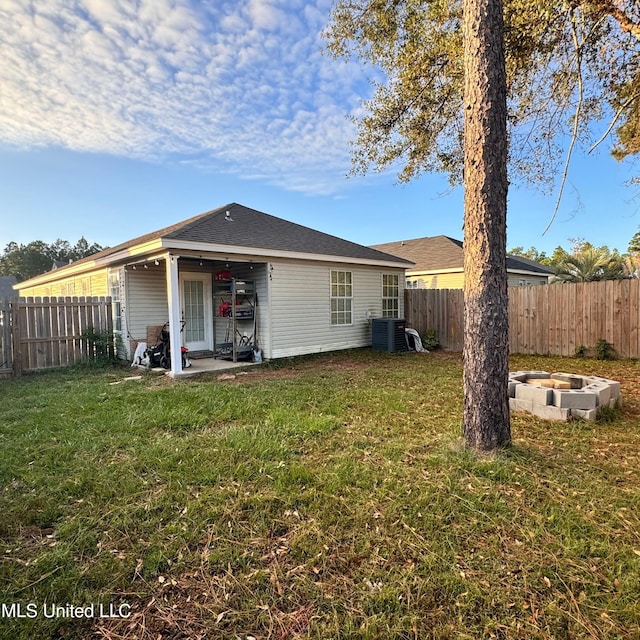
441, 253
237, 226
6, 287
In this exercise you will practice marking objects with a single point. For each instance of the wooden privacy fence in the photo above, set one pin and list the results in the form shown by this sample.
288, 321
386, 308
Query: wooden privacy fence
6, 340
437, 309
44, 333
548, 319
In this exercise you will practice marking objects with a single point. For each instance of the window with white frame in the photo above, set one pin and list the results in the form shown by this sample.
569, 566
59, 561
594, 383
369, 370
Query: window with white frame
341, 297
114, 292
390, 295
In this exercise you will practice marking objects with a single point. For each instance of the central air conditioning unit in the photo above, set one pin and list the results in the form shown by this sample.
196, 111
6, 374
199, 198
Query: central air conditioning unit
387, 334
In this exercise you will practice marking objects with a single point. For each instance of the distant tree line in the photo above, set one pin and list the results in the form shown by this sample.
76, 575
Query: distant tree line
28, 260
585, 262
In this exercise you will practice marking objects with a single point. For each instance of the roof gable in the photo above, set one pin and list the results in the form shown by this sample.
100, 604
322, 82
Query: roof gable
439, 253
245, 227
428, 254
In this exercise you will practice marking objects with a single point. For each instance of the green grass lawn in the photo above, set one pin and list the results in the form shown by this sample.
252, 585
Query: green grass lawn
325, 497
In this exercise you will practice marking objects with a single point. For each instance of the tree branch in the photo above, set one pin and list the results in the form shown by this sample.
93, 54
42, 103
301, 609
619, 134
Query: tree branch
612, 124
626, 23
576, 119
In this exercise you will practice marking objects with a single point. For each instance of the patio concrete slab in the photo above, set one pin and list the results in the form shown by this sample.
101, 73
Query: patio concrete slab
214, 365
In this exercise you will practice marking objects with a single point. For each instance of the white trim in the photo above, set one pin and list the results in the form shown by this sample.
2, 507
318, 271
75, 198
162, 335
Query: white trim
231, 250
207, 292
345, 297
411, 273
173, 303
432, 272
396, 297
130, 252
268, 305
530, 273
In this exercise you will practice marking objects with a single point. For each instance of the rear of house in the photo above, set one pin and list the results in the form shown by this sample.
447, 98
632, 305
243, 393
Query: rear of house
303, 291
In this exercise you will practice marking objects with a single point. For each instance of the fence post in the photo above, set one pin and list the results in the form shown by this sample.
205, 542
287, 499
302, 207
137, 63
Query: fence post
108, 317
16, 326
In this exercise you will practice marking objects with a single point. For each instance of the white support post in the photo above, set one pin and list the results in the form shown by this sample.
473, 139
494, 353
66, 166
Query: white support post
173, 298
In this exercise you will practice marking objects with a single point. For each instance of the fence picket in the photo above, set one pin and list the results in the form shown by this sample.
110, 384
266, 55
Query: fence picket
42, 333
549, 320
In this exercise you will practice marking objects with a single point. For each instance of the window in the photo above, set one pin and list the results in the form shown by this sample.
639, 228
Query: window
114, 292
390, 295
341, 297
194, 310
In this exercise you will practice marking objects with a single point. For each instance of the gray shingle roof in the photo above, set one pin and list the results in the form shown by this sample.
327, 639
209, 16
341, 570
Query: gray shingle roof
6, 287
255, 230
441, 252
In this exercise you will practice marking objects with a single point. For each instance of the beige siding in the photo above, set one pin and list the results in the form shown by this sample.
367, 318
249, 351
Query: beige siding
94, 283
455, 280
515, 280
300, 307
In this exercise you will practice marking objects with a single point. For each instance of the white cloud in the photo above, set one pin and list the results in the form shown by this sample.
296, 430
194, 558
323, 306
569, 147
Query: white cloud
239, 85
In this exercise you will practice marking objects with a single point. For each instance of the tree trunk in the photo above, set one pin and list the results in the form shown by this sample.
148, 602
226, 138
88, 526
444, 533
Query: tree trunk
486, 339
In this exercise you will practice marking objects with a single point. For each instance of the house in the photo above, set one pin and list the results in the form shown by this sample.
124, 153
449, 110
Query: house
438, 264
6, 287
237, 276
58, 264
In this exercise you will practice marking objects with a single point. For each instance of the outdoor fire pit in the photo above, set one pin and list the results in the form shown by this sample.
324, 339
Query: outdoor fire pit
561, 396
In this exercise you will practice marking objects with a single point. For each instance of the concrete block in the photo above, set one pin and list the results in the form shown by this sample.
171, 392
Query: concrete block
520, 405
585, 414
536, 374
530, 393
546, 412
602, 391
519, 376
574, 399
613, 384
615, 402
574, 381
512, 387
550, 412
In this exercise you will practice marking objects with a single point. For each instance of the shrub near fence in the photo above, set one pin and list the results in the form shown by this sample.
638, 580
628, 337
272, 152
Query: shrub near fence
54, 332
547, 319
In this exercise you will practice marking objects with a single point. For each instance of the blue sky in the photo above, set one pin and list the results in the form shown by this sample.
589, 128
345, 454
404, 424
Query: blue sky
119, 117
